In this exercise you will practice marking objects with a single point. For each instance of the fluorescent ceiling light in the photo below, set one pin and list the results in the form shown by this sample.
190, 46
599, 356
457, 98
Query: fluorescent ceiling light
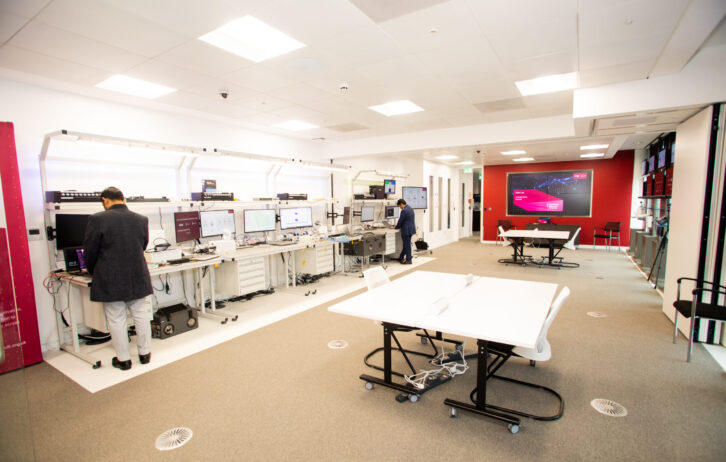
593, 154
466, 162
251, 39
513, 153
396, 108
327, 167
547, 84
447, 157
137, 87
594, 146
295, 125
523, 159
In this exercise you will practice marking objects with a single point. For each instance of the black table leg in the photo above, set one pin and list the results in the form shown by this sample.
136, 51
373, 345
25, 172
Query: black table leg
481, 406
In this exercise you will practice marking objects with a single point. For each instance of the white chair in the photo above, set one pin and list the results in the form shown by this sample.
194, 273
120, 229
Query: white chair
375, 277
505, 241
570, 245
543, 350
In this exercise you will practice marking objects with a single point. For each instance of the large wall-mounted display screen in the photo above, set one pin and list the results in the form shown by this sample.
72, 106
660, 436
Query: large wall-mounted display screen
557, 193
416, 197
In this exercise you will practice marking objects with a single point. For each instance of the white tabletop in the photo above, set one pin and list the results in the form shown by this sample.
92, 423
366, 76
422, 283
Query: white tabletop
531, 233
502, 310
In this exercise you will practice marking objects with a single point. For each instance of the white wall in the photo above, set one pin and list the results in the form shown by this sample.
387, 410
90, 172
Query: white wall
442, 234
37, 111
689, 180
635, 203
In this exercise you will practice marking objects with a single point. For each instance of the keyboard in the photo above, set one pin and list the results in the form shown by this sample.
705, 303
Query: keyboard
281, 242
177, 261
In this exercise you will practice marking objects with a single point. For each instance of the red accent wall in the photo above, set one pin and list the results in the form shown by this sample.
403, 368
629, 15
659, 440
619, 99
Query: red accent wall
611, 195
17, 244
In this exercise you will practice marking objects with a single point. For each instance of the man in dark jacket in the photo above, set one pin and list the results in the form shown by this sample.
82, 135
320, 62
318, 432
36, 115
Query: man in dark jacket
407, 225
114, 252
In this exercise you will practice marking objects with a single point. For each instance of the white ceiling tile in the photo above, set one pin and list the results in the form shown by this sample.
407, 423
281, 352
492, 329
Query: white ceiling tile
618, 73
358, 49
263, 102
10, 23
48, 66
203, 58
549, 104
452, 21
190, 18
486, 88
302, 113
539, 66
212, 86
229, 109
621, 52
258, 78
49, 40
187, 100
24, 8
109, 24
301, 93
155, 70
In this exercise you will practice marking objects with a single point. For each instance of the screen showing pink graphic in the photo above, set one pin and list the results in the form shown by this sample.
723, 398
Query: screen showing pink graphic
556, 193
537, 201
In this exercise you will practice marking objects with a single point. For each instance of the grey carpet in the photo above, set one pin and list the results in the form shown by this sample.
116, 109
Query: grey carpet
280, 393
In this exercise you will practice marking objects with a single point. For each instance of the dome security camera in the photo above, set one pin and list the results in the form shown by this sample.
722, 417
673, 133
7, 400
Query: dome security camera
224, 93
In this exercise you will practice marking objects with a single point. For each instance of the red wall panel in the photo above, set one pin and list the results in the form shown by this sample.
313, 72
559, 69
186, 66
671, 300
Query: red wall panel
17, 242
611, 195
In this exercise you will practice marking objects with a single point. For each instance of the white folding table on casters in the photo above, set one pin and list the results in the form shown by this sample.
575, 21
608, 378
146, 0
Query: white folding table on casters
506, 311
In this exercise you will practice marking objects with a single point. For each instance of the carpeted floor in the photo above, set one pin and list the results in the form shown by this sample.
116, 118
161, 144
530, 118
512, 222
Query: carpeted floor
280, 393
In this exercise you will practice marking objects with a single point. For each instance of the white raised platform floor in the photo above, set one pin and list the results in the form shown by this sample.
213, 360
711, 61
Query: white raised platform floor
253, 314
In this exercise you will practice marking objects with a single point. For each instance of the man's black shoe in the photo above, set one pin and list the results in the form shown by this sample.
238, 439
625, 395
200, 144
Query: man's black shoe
400, 260
123, 365
406, 263
144, 359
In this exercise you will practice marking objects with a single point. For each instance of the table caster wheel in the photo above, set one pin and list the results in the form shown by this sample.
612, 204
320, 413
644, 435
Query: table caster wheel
97, 365
224, 322
513, 428
459, 347
235, 317
369, 386
453, 412
414, 398
424, 340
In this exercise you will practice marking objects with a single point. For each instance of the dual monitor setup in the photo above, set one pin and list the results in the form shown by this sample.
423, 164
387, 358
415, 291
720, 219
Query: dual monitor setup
193, 225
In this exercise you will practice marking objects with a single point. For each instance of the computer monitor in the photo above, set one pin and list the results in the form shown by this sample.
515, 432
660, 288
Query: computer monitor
299, 217
367, 213
70, 230
74, 259
389, 186
186, 226
257, 221
392, 212
217, 222
651, 164
662, 158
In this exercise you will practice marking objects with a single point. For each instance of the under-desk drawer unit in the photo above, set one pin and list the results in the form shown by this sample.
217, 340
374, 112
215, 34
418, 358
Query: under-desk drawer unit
390, 242
242, 276
314, 260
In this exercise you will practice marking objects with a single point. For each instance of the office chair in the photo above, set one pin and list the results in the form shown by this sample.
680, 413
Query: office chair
541, 352
376, 277
609, 232
696, 309
570, 245
503, 225
505, 241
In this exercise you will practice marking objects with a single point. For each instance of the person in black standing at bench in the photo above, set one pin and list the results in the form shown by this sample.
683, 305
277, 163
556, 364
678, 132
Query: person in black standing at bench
114, 251
407, 225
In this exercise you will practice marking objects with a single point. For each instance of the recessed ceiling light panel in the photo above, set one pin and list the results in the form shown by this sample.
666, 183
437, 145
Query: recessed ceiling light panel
594, 146
136, 87
523, 159
466, 162
396, 108
547, 84
295, 125
513, 153
251, 39
447, 157
592, 155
